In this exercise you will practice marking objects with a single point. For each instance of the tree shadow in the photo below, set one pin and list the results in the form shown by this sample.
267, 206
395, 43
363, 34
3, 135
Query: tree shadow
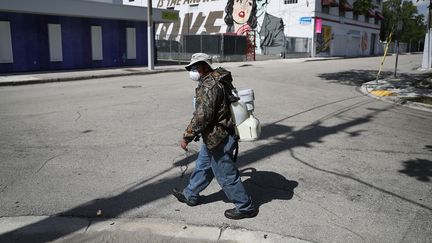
152, 189
357, 77
418, 168
274, 130
263, 187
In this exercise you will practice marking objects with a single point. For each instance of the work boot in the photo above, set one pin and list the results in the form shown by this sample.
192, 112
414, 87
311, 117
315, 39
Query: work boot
235, 214
179, 195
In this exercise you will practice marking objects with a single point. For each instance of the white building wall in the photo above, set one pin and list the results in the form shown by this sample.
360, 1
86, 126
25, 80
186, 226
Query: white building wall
142, 3
349, 40
349, 37
291, 15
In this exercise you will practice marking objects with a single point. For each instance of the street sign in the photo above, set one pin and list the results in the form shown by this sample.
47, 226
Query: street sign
305, 20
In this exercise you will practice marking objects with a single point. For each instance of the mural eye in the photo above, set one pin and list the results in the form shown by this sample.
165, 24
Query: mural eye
250, 3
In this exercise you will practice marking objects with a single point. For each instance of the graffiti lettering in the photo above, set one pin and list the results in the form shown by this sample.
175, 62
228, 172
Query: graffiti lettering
160, 3
174, 3
210, 23
189, 27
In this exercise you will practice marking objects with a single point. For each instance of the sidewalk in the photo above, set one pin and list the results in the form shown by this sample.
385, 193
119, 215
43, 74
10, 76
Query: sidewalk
414, 91
74, 75
69, 229
62, 76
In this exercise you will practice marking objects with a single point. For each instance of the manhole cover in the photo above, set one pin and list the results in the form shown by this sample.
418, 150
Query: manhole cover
131, 86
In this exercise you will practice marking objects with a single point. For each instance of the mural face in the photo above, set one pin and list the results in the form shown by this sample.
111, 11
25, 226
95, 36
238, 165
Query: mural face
261, 7
240, 16
242, 11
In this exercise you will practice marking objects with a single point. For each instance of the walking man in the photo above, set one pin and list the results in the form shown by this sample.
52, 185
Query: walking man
213, 122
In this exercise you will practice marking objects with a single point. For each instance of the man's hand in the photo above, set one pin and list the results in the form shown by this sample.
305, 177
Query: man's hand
184, 144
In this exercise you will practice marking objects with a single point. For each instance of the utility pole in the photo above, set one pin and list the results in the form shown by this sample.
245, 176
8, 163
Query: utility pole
398, 30
429, 37
426, 62
150, 39
397, 57
399, 26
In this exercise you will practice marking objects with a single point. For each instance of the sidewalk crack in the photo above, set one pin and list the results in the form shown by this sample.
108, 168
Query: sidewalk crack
222, 228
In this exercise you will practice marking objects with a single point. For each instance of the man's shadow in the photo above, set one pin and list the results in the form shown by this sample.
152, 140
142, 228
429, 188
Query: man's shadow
262, 186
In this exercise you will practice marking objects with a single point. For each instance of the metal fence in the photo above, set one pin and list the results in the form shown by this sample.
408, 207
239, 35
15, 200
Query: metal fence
297, 47
406, 47
289, 47
403, 47
222, 47
227, 47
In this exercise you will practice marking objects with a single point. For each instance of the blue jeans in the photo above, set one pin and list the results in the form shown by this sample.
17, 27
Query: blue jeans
219, 164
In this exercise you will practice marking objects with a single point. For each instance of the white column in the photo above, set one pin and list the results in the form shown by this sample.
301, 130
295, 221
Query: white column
427, 55
150, 39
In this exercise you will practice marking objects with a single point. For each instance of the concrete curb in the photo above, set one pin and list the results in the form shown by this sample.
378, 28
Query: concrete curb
324, 59
84, 77
73, 229
396, 100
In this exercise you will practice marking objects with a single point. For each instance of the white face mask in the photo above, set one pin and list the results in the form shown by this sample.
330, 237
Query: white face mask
194, 75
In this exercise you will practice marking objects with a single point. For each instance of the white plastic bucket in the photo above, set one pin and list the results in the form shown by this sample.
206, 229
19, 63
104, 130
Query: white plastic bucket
239, 111
247, 96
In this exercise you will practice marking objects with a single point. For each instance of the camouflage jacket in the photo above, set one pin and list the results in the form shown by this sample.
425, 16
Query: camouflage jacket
212, 117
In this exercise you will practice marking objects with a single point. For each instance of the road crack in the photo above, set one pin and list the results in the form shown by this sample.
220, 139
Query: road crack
3, 189
79, 116
43, 165
346, 228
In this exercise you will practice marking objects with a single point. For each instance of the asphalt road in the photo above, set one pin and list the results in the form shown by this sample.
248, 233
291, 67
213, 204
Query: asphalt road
332, 165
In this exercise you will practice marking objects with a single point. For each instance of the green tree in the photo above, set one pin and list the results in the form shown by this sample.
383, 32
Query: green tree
362, 7
413, 25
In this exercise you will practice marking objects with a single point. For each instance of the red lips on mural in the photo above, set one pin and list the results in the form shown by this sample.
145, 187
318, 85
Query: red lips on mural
241, 14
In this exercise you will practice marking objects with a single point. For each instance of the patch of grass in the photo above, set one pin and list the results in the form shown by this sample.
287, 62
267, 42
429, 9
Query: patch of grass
425, 100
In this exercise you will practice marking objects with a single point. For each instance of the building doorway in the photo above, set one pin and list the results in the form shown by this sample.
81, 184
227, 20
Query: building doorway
372, 46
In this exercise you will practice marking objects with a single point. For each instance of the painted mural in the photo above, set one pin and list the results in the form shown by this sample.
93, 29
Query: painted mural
323, 40
239, 16
364, 42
